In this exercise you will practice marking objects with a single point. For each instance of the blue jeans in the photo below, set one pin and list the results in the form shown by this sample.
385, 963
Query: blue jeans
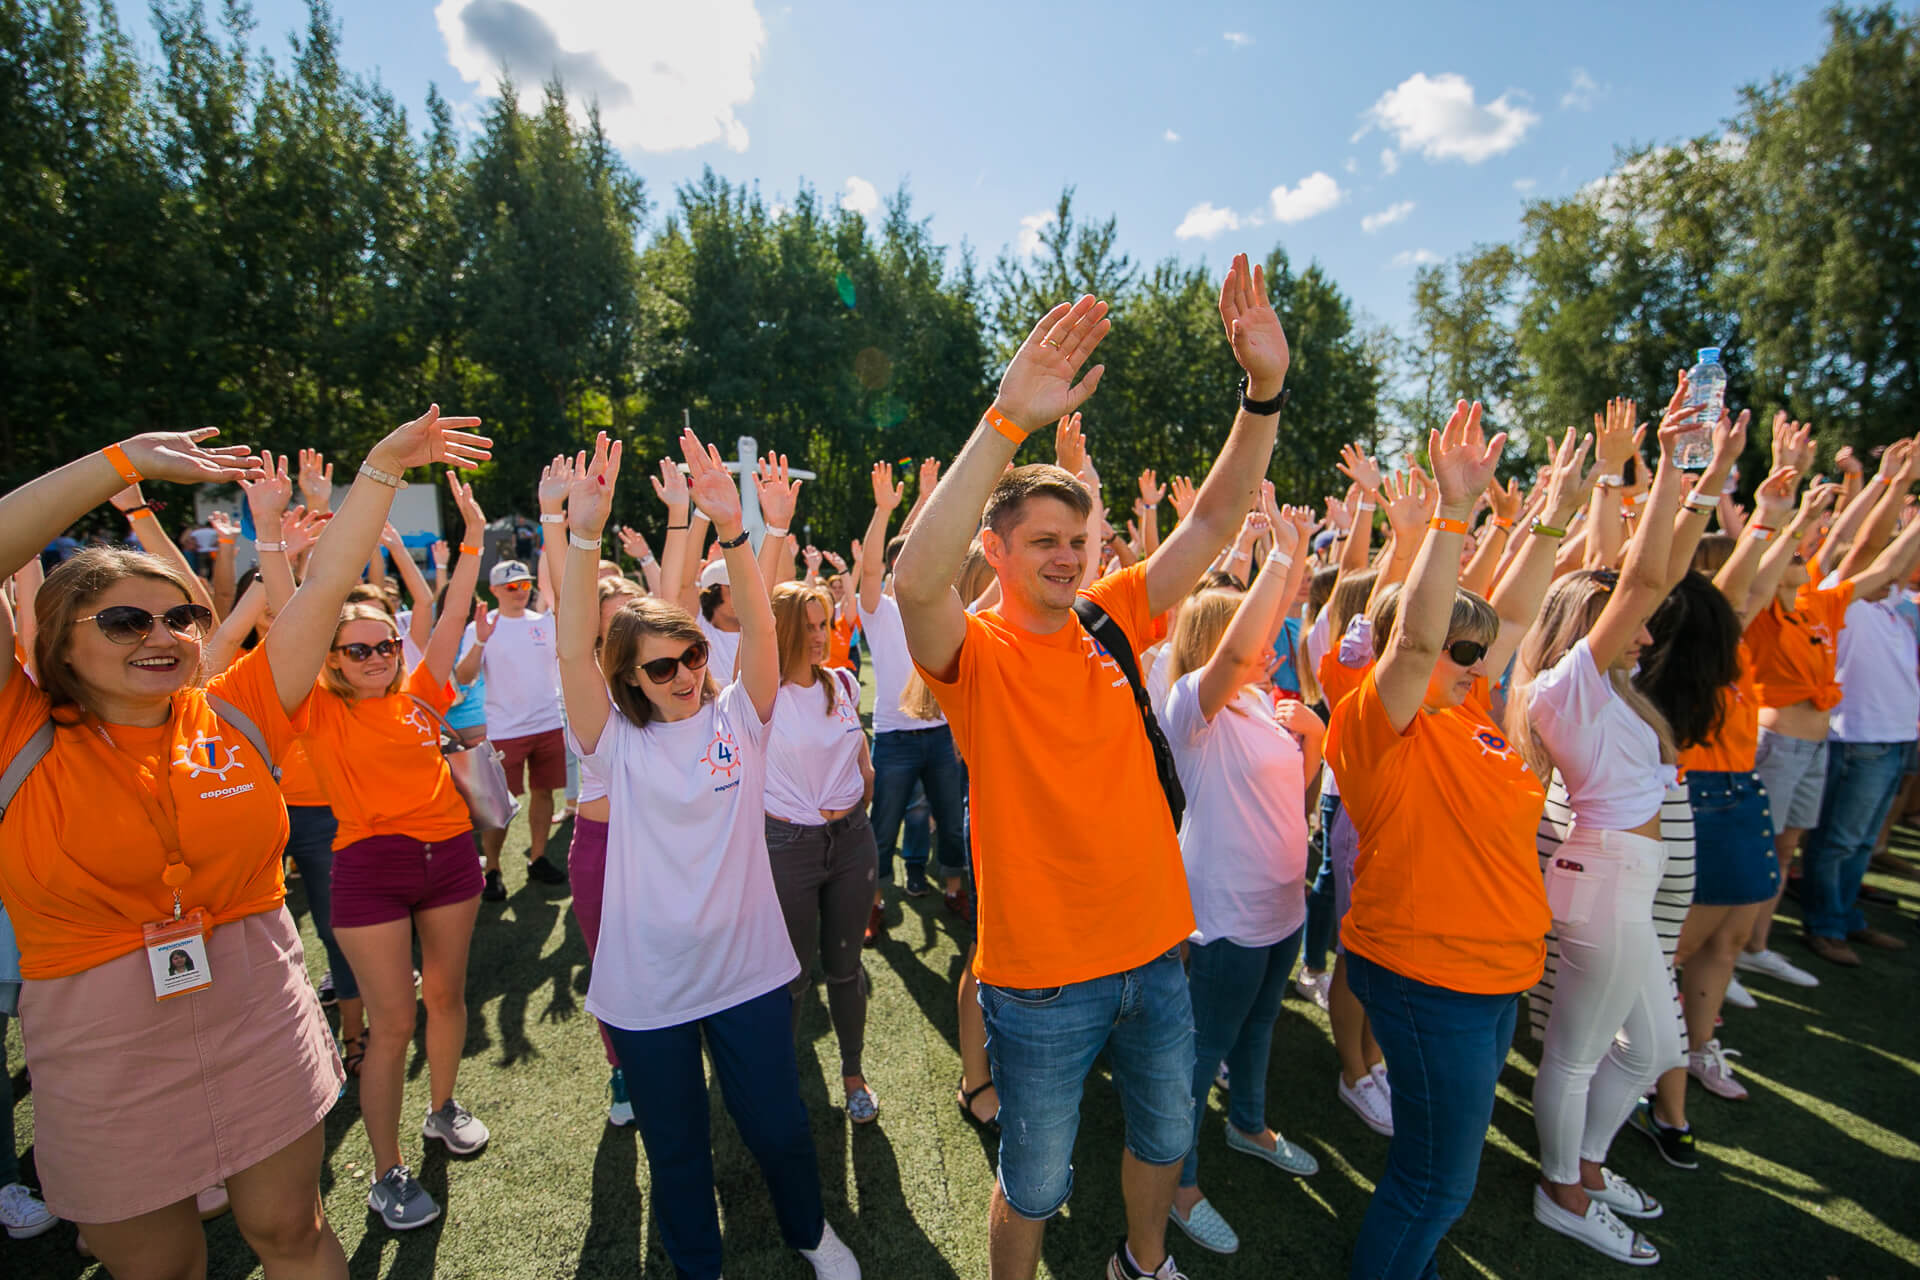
753, 1058
1321, 920
1862, 780
1041, 1042
901, 758
310, 832
1447, 1048
1236, 999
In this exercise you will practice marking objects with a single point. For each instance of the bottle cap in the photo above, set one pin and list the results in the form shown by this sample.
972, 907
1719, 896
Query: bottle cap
1708, 355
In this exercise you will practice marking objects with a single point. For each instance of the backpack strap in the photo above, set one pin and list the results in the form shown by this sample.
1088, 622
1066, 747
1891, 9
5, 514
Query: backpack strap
1112, 637
243, 723
24, 763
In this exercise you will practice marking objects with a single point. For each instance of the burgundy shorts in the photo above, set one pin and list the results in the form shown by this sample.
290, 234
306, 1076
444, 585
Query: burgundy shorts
545, 758
385, 878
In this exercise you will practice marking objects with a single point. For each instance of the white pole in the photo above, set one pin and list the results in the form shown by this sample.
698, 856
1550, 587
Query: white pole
749, 450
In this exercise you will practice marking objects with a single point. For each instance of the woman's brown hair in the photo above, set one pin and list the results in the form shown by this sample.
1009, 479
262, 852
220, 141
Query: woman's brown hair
69, 592
790, 600
332, 679
620, 656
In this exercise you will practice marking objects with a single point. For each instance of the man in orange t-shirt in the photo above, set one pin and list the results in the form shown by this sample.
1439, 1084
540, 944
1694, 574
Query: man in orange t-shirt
1082, 894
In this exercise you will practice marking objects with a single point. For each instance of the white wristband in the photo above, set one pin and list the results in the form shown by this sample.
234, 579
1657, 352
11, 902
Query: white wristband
269, 546
647, 559
776, 533
553, 517
386, 478
585, 544
1277, 561
1702, 502
1365, 506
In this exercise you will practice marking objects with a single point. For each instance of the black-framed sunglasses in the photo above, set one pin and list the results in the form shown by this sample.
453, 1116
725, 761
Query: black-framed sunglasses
130, 624
1464, 653
361, 652
661, 670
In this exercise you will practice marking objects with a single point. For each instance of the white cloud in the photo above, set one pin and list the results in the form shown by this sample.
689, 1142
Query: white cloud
1352, 165
859, 196
667, 76
1389, 162
1524, 185
1204, 222
1386, 217
1415, 258
1170, 136
1315, 194
1031, 226
1583, 92
1438, 117
1238, 39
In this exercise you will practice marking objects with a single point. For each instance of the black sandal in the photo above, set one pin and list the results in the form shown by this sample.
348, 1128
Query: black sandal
964, 1100
353, 1051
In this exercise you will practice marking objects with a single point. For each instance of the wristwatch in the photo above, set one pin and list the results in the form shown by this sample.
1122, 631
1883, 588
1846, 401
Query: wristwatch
1274, 405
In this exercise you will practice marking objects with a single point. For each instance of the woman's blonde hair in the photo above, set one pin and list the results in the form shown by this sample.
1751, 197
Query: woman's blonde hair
334, 680
1573, 606
1712, 554
1347, 601
1197, 629
790, 601
637, 619
380, 597
69, 593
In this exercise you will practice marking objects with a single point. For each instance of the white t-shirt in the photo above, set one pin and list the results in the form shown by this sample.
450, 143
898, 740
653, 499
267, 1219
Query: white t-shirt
1319, 640
1159, 672
1356, 650
689, 920
523, 676
593, 784
404, 621
813, 758
1244, 840
1608, 757
887, 646
723, 650
1875, 661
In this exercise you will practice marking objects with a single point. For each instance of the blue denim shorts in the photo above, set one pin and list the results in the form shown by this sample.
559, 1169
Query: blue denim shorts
1734, 860
1041, 1044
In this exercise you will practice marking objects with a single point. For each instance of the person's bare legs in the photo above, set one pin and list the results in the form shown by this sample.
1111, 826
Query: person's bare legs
445, 936
276, 1205
539, 822
1013, 1242
1352, 1037
382, 960
1148, 1190
975, 1070
1785, 845
353, 1017
167, 1244
491, 842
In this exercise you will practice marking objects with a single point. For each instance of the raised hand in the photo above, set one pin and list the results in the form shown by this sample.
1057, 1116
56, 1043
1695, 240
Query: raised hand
1404, 505
590, 497
670, 486
1340, 513
316, 480
269, 492
1773, 500
1253, 329
442, 554
224, 525
1069, 444
1359, 468
1814, 504
1848, 462
778, 495
1429, 495
300, 528
1567, 488
1793, 443
390, 539
556, 478
1463, 458
1896, 464
1038, 385
476, 519
431, 438
886, 493
929, 476
1678, 418
711, 488
833, 558
1183, 496
1151, 490
634, 543
1729, 437
182, 457
1615, 438
1504, 501
483, 622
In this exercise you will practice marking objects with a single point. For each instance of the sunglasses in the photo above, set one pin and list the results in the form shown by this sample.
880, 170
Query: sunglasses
361, 652
661, 670
1464, 653
130, 624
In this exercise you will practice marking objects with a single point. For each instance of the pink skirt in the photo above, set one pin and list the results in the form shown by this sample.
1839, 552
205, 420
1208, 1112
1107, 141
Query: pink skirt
139, 1104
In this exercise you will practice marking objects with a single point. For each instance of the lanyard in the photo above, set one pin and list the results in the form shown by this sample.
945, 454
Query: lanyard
154, 796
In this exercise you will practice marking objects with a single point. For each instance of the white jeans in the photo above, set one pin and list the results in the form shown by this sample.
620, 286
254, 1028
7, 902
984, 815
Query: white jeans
1612, 1030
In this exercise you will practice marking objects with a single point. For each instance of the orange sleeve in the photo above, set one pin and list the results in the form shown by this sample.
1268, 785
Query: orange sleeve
24, 707
437, 694
248, 685
1124, 597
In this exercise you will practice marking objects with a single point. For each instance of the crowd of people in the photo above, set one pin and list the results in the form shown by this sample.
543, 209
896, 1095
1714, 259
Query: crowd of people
1556, 740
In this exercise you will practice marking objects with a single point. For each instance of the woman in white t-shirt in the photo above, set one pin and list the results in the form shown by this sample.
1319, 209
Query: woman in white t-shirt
692, 945
1245, 767
825, 861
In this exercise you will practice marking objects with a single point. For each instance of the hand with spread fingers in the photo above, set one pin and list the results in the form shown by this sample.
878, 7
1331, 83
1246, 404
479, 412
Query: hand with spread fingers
1464, 459
431, 438
712, 489
590, 496
316, 480
184, 458
1038, 385
1070, 445
778, 495
1183, 496
1253, 329
887, 494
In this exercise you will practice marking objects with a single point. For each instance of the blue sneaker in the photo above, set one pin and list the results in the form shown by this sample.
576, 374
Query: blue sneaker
620, 1112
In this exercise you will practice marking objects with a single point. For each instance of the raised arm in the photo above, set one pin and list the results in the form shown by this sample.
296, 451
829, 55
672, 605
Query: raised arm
583, 687
267, 498
1896, 475
1503, 505
634, 543
298, 643
929, 480
779, 496
223, 646
1260, 346
714, 491
226, 531
1703, 496
421, 615
1773, 504
556, 478
1857, 504
1246, 647
443, 646
678, 551
1616, 442
467, 670
1406, 518
1037, 387
1523, 587
887, 496
1151, 493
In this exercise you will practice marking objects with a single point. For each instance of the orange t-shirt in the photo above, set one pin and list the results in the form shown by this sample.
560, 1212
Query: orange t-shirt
1446, 887
1733, 749
1794, 653
80, 857
379, 762
299, 784
1337, 679
1075, 853
839, 644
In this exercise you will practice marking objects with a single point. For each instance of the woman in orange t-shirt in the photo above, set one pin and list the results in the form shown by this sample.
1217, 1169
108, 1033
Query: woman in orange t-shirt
1449, 915
153, 809
403, 864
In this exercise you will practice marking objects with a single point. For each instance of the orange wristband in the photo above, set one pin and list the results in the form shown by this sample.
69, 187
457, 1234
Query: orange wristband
999, 422
1503, 522
466, 550
1441, 524
117, 456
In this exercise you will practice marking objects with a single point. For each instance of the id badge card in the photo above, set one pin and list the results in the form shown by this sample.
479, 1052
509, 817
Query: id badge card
177, 955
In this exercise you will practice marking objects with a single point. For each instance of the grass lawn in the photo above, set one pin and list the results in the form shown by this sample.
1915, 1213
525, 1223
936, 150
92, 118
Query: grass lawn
1818, 1175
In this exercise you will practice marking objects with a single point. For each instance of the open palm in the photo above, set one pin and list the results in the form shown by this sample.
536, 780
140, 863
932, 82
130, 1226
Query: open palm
1038, 385
590, 497
180, 456
1253, 327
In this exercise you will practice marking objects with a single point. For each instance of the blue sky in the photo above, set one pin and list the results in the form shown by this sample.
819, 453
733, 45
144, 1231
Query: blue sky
1368, 136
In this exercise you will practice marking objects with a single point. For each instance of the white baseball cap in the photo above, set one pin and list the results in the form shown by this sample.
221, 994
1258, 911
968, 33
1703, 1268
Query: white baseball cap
714, 575
508, 572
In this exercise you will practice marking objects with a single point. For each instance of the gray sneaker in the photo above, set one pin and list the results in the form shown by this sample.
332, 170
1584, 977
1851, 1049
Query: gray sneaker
401, 1201
454, 1125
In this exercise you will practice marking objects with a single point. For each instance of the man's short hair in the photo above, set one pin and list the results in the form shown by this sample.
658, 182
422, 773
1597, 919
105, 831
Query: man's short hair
1036, 480
895, 545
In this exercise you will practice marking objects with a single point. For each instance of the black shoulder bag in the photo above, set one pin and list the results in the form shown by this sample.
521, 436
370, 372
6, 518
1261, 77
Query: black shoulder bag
1112, 637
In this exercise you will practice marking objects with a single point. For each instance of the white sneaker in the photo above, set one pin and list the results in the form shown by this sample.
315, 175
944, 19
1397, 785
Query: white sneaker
831, 1258
1379, 1073
1625, 1199
22, 1214
1710, 1067
456, 1126
1314, 987
1369, 1103
1738, 996
1774, 965
1599, 1229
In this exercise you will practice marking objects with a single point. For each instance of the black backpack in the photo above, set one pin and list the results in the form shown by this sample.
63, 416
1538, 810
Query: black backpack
1112, 637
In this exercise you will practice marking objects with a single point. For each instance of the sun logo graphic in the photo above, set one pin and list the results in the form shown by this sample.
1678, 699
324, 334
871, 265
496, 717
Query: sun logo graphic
420, 724
202, 756
1098, 652
1492, 744
722, 757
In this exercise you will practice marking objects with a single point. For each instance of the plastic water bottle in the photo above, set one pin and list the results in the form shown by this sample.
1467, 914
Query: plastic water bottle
1706, 387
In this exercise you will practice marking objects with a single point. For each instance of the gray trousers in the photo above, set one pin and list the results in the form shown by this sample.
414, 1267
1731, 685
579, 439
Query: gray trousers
825, 876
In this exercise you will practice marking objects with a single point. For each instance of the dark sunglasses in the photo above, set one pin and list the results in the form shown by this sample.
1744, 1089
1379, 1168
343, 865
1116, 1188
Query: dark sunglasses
661, 670
1464, 653
130, 624
361, 652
